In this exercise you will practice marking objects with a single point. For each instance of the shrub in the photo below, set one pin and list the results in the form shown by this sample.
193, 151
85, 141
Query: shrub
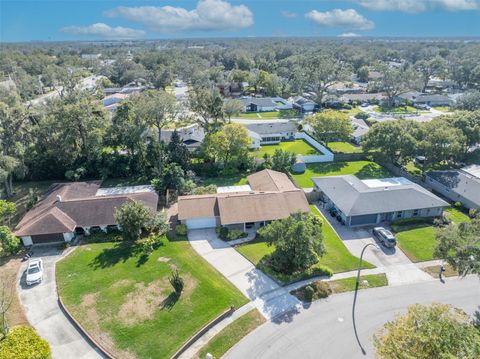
176, 281
103, 237
322, 289
458, 204
22, 342
229, 234
473, 213
362, 115
113, 230
159, 224
9, 243
181, 230
151, 243
347, 107
210, 189
309, 292
95, 230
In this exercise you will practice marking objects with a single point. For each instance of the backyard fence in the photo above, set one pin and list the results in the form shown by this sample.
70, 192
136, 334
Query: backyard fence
325, 156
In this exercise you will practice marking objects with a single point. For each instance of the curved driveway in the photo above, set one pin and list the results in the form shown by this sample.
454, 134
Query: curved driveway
44, 314
325, 330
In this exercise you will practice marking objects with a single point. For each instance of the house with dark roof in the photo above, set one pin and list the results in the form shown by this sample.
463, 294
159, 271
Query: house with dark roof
270, 196
192, 136
265, 133
461, 185
367, 202
303, 104
78, 207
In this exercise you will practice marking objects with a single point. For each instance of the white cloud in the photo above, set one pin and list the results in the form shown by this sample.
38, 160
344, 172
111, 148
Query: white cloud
104, 31
209, 15
288, 14
349, 34
415, 6
349, 19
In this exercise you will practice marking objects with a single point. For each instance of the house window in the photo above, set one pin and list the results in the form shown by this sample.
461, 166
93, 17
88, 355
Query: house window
416, 212
399, 214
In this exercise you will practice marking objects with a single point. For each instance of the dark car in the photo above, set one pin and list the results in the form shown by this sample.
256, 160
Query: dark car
385, 237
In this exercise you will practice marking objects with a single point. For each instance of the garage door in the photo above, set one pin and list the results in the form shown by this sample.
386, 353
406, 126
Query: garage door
366, 219
199, 223
47, 238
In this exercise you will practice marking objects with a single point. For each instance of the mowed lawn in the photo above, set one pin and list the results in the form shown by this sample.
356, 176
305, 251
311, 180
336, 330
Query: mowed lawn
126, 302
337, 256
260, 115
344, 147
361, 169
299, 147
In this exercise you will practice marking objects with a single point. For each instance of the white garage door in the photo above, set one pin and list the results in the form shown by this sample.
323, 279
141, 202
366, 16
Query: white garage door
199, 223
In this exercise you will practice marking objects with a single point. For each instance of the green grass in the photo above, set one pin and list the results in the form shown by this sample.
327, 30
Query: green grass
220, 181
456, 215
400, 109
361, 169
299, 147
124, 299
337, 256
418, 243
232, 334
344, 147
353, 111
260, 115
442, 108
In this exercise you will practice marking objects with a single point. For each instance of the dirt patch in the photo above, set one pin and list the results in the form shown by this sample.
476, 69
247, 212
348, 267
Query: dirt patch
122, 283
163, 259
9, 268
92, 321
142, 303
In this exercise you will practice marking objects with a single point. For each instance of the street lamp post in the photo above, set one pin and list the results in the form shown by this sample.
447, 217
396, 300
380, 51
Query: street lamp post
355, 295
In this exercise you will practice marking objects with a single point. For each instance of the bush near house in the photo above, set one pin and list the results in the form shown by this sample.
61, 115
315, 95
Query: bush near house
22, 342
227, 234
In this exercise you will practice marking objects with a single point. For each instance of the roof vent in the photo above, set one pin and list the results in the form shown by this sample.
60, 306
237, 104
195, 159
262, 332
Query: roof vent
59, 198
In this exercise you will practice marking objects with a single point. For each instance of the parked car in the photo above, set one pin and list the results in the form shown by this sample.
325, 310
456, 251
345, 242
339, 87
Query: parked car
34, 271
385, 237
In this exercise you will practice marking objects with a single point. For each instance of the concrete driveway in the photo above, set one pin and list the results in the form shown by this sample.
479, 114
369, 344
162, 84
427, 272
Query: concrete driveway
399, 269
44, 314
269, 297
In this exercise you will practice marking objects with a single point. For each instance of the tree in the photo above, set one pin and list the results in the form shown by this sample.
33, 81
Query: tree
132, 217
393, 141
430, 68
363, 73
208, 105
441, 142
282, 161
425, 332
173, 178
469, 124
229, 145
233, 108
22, 342
459, 245
331, 126
318, 73
396, 81
9, 243
469, 101
297, 240
7, 210
7, 293
178, 151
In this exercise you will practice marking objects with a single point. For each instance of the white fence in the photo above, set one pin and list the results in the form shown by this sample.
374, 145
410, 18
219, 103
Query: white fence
326, 155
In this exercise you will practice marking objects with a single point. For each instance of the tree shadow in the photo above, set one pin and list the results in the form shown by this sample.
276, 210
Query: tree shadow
120, 252
169, 302
326, 168
476, 317
372, 171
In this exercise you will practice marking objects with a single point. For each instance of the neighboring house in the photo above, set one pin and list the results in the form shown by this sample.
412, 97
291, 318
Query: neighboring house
437, 84
371, 98
265, 104
78, 207
111, 102
271, 132
418, 98
129, 89
91, 56
271, 196
192, 136
303, 104
360, 129
341, 88
367, 202
458, 185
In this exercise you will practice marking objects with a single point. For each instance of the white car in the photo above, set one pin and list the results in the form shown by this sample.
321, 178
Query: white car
34, 271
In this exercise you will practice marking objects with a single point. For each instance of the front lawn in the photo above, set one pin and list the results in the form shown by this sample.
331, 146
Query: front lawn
299, 147
125, 301
232, 334
337, 256
269, 115
456, 215
418, 243
344, 147
399, 109
361, 169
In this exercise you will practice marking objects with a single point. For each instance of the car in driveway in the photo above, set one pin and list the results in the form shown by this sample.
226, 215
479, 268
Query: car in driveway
385, 237
34, 271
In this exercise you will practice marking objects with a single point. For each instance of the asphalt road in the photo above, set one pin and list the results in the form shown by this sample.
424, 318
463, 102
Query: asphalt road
325, 329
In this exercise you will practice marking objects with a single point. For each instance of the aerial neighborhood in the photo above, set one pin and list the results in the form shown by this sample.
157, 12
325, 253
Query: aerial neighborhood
251, 197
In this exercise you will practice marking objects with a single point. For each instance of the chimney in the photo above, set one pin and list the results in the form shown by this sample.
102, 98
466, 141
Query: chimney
59, 198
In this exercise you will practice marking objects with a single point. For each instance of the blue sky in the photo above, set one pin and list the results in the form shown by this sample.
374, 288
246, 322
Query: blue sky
51, 20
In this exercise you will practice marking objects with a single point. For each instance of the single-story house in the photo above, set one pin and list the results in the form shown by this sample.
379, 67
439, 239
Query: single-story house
360, 129
341, 88
272, 196
418, 98
265, 104
128, 89
78, 207
111, 102
271, 132
461, 185
371, 98
303, 104
192, 136
368, 202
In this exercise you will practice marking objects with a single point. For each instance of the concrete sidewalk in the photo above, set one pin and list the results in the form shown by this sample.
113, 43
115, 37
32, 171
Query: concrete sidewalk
268, 297
44, 314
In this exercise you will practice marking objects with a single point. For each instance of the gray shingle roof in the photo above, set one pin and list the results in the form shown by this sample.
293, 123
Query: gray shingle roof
353, 197
460, 182
272, 127
259, 101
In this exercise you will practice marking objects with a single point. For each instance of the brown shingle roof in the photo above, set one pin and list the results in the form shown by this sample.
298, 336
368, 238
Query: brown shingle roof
274, 197
78, 206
